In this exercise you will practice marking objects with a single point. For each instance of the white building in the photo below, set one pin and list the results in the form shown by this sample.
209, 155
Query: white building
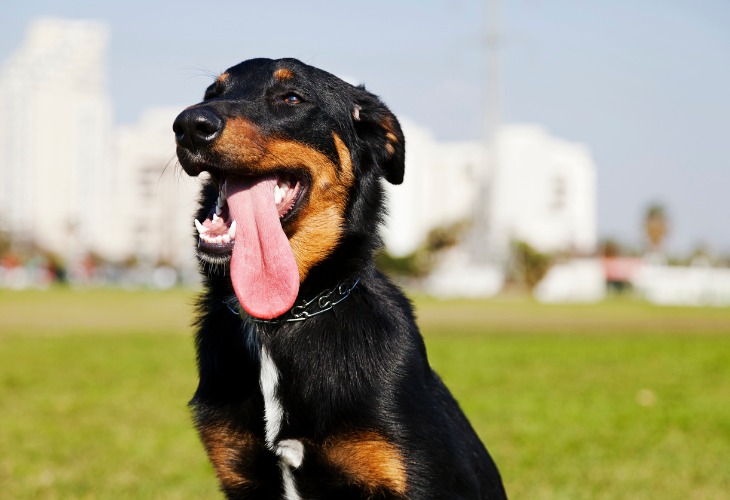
439, 188
154, 199
698, 285
542, 190
71, 183
55, 130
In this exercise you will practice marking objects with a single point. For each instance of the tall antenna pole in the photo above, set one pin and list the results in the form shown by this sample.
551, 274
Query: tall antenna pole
481, 248
493, 40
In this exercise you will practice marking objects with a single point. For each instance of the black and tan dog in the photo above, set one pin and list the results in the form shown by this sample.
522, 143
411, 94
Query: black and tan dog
314, 381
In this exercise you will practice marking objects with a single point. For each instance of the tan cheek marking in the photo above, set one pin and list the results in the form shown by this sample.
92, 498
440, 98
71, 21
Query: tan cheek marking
318, 228
223, 77
240, 142
368, 459
283, 74
225, 447
391, 137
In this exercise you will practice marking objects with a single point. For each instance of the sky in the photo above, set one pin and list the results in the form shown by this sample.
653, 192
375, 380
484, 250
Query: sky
644, 83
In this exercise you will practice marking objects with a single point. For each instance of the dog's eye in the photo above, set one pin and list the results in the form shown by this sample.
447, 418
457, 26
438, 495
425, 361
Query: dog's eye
292, 98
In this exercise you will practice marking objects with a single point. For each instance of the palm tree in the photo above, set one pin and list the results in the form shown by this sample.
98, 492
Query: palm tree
656, 227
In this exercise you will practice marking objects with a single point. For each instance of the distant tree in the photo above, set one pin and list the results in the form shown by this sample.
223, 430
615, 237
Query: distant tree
610, 248
410, 266
656, 226
700, 256
131, 261
57, 267
529, 265
447, 236
421, 262
5, 242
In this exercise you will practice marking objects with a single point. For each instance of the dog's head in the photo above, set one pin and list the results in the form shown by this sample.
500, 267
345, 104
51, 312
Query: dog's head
294, 155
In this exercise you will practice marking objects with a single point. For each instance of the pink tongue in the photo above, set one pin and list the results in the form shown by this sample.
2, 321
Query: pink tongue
263, 270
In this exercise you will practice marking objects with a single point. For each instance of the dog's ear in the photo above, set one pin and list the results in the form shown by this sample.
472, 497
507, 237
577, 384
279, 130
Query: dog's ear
379, 129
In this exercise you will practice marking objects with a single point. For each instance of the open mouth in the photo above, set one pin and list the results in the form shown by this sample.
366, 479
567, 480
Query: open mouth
245, 230
217, 233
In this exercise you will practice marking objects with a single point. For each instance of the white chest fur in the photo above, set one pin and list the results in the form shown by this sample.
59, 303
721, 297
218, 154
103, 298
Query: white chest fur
290, 451
273, 411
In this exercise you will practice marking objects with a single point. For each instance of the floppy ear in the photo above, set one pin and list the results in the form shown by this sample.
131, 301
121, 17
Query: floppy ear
379, 129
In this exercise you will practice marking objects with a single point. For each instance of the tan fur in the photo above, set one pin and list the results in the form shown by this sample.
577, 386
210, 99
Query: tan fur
318, 227
390, 128
391, 137
283, 74
367, 459
225, 446
241, 144
223, 77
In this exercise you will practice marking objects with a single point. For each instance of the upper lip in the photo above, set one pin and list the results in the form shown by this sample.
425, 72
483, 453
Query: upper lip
196, 162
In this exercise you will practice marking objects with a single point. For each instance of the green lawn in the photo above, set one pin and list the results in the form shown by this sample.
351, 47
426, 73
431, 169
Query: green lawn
617, 400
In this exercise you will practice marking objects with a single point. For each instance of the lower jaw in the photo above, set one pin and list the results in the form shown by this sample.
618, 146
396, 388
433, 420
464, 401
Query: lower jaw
209, 257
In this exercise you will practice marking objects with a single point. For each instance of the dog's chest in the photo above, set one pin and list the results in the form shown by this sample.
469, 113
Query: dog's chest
273, 408
288, 461
289, 451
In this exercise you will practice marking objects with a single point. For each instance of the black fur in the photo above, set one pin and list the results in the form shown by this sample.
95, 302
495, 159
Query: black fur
361, 365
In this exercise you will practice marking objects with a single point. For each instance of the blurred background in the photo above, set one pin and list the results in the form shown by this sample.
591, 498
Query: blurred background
560, 143
567, 174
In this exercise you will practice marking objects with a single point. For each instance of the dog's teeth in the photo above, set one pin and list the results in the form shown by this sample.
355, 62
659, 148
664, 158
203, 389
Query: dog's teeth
201, 229
232, 230
226, 238
285, 186
278, 195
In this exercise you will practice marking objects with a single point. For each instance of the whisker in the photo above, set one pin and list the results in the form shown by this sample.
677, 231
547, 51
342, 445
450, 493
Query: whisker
199, 72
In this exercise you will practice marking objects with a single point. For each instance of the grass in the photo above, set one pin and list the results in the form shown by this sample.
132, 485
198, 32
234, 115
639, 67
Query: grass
93, 392
616, 400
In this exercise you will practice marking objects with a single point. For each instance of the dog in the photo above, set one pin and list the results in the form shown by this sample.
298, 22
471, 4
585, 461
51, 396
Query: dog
314, 381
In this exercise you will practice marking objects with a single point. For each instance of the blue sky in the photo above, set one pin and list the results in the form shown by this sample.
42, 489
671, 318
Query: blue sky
644, 83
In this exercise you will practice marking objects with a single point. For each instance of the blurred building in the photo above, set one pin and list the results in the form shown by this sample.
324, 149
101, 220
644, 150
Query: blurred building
55, 137
440, 187
72, 184
541, 190
154, 199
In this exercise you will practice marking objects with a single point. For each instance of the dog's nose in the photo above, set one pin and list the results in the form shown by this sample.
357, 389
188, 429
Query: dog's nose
197, 127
